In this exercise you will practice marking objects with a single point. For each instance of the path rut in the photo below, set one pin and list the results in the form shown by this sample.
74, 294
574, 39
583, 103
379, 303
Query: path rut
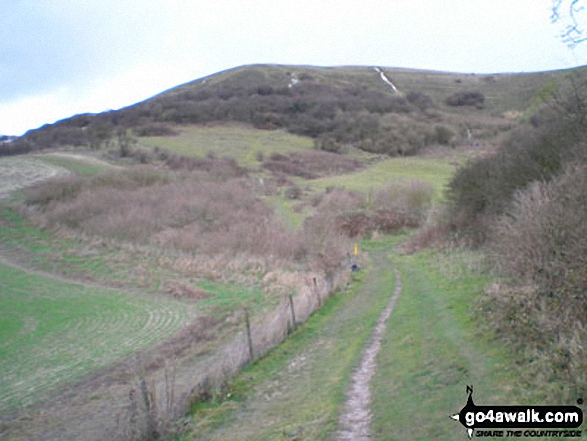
356, 418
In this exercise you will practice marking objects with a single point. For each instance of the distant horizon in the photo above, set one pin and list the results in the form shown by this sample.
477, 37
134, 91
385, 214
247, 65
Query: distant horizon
66, 57
288, 65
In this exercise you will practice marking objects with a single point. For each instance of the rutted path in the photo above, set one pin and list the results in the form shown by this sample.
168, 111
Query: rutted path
298, 392
18, 172
356, 419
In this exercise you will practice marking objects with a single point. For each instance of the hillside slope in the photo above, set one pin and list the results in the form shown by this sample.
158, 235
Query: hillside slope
337, 105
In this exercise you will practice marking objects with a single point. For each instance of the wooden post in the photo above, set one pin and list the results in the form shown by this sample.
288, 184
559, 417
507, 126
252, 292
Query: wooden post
249, 338
293, 313
317, 293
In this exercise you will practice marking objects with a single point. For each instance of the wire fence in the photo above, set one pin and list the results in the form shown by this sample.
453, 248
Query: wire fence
156, 406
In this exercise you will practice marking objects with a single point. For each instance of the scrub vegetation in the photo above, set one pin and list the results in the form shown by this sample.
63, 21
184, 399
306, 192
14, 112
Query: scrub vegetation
170, 228
334, 106
525, 206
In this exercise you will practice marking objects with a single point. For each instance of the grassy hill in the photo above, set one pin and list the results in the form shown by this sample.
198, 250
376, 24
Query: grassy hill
212, 197
336, 106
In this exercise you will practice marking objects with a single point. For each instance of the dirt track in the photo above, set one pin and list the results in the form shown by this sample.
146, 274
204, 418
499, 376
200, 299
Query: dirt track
356, 419
17, 173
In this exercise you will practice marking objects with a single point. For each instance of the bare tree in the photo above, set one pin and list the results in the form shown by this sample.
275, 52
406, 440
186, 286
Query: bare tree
571, 14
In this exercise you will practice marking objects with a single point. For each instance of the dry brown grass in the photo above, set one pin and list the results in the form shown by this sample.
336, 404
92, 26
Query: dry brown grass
311, 164
183, 211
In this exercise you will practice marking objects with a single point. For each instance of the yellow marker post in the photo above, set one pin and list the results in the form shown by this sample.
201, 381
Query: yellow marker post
354, 260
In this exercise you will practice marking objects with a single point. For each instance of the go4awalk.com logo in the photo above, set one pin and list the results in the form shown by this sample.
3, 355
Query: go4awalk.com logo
520, 421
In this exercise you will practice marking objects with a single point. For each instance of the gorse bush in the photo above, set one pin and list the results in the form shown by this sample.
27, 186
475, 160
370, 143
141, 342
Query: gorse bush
420, 100
393, 134
470, 98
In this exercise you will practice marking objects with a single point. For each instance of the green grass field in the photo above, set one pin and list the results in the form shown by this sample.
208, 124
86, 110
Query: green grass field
76, 163
54, 332
432, 349
241, 143
432, 170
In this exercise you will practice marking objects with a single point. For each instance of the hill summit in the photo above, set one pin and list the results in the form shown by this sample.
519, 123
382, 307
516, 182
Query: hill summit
377, 109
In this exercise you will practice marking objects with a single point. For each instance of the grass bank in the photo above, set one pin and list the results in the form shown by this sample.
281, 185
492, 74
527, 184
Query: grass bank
76, 163
296, 391
433, 348
434, 171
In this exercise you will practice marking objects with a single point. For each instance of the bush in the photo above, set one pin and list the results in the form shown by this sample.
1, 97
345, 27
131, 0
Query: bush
540, 245
420, 100
471, 98
310, 164
156, 129
542, 239
443, 135
186, 211
484, 187
293, 192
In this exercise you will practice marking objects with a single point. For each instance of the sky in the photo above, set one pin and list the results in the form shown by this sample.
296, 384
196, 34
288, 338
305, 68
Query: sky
64, 57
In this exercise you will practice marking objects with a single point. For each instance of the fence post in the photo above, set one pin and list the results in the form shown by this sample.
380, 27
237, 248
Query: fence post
293, 313
249, 338
317, 293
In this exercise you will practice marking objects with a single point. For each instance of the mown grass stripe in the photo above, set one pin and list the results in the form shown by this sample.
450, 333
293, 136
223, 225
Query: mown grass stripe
77, 329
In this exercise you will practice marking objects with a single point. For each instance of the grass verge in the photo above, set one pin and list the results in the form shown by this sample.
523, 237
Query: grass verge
296, 391
432, 349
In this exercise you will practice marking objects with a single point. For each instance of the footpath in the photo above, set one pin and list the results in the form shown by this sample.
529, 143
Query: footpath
304, 387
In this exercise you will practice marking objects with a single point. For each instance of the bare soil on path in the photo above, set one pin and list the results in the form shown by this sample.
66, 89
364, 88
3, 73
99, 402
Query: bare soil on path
307, 397
355, 421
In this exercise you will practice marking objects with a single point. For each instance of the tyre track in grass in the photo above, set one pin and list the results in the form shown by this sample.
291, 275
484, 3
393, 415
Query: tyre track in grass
19, 172
355, 421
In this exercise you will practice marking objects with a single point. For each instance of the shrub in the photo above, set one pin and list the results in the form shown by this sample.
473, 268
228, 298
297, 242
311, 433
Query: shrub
443, 135
191, 212
60, 189
542, 239
156, 129
401, 205
420, 100
310, 164
471, 98
541, 246
293, 192
483, 188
